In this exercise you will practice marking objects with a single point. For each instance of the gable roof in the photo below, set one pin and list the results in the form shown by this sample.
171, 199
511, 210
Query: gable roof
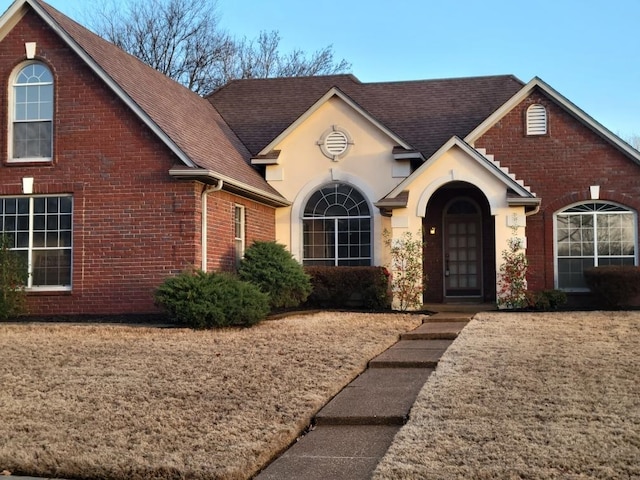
566, 104
423, 113
183, 120
521, 195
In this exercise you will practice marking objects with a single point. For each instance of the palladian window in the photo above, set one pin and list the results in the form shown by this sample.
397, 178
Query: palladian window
337, 227
589, 235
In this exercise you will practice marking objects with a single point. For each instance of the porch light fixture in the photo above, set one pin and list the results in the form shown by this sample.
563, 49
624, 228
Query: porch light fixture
432, 231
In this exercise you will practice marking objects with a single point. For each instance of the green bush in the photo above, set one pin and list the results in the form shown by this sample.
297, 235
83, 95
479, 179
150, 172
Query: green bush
613, 286
271, 267
210, 300
546, 300
12, 281
349, 287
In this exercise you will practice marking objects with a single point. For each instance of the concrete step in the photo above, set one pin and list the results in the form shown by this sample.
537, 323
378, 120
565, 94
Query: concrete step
337, 452
442, 317
435, 331
411, 354
380, 396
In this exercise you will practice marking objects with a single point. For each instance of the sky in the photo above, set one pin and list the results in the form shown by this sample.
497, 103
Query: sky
588, 50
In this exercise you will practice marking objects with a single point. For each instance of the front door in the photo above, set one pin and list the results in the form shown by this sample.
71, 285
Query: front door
462, 250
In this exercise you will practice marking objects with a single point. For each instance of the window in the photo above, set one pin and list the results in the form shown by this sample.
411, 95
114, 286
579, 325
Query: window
238, 221
592, 234
337, 227
39, 230
32, 114
536, 120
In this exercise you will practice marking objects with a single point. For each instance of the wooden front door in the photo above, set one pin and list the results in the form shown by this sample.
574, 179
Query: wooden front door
462, 250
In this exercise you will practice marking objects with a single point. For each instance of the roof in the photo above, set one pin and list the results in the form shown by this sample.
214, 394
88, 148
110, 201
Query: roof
186, 122
424, 113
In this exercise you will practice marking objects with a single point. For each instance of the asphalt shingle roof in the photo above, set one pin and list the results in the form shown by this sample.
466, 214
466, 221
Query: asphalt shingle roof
185, 117
424, 113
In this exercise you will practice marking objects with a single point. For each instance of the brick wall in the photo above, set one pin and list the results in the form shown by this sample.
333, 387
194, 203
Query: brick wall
559, 167
133, 225
259, 225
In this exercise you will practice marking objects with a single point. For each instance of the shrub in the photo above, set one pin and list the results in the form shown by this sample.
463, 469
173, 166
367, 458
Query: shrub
12, 281
407, 275
613, 286
208, 300
546, 300
271, 267
512, 277
349, 287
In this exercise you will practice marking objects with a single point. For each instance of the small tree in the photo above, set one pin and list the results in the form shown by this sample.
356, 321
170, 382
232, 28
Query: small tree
512, 281
407, 275
12, 281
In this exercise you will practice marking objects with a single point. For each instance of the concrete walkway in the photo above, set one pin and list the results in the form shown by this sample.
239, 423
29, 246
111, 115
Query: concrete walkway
355, 429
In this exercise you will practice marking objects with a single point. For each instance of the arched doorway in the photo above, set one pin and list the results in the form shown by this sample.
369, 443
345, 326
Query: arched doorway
459, 253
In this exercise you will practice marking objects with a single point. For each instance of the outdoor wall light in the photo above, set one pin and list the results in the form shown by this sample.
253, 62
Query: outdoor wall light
432, 230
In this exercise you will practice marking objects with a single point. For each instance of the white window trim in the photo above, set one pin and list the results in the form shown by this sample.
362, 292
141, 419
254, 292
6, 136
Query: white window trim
11, 115
555, 240
237, 208
44, 288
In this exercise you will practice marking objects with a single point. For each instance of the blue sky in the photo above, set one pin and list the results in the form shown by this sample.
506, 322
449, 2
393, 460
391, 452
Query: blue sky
588, 50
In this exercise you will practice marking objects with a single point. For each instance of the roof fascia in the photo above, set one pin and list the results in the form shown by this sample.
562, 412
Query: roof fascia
211, 177
11, 17
334, 91
111, 83
563, 102
473, 153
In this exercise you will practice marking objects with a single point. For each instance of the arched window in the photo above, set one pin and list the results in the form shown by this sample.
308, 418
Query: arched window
337, 227
592, 234
32, 113
536, 120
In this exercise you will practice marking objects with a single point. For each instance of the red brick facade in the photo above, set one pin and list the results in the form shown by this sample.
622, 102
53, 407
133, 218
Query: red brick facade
133, 225
559, 167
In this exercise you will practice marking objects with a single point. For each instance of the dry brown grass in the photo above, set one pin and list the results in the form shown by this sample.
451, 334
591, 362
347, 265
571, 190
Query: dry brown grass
535, 396
82, 401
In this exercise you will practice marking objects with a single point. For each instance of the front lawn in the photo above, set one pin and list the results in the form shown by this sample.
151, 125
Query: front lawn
528, 396
121, 402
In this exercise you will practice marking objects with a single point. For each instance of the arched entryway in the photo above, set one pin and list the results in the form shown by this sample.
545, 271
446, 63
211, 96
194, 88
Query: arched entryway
459, 255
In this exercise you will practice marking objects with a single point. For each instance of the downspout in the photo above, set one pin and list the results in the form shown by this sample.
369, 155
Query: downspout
203, 206
532, 212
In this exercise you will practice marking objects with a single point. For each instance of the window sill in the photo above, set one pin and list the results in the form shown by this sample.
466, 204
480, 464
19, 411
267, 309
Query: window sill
43, 292
28, 162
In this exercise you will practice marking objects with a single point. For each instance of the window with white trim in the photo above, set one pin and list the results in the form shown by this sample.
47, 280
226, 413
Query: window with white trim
32, 114
590, 235
239, 231
536, 120
39, 229
337, 227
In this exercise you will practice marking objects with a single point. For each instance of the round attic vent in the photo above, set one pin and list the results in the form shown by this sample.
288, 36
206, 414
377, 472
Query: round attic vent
335, 143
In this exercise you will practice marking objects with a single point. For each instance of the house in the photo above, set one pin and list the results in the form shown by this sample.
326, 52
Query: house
114, 177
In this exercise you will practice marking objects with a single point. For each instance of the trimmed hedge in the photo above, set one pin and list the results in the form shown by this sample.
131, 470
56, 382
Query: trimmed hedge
271, 267
613, 286
349, 287
546, 300
211, 300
